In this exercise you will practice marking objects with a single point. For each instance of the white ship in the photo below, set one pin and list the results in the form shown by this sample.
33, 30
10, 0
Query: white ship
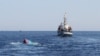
64, 29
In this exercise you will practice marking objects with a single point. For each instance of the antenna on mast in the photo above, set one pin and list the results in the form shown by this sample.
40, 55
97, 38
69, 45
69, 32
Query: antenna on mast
65, 19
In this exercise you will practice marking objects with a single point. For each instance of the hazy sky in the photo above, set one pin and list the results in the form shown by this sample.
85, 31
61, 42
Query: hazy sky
37, 15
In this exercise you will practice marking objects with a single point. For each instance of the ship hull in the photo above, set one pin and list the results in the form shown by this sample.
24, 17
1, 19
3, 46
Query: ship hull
64, 34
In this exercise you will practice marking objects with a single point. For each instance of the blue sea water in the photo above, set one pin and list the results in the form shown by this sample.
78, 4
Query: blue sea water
82, 43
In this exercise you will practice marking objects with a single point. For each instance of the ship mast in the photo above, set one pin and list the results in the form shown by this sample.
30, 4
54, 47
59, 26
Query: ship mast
65, 19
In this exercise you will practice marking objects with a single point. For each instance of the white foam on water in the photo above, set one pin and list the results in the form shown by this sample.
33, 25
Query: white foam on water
30, 43
15, 43
33, 43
